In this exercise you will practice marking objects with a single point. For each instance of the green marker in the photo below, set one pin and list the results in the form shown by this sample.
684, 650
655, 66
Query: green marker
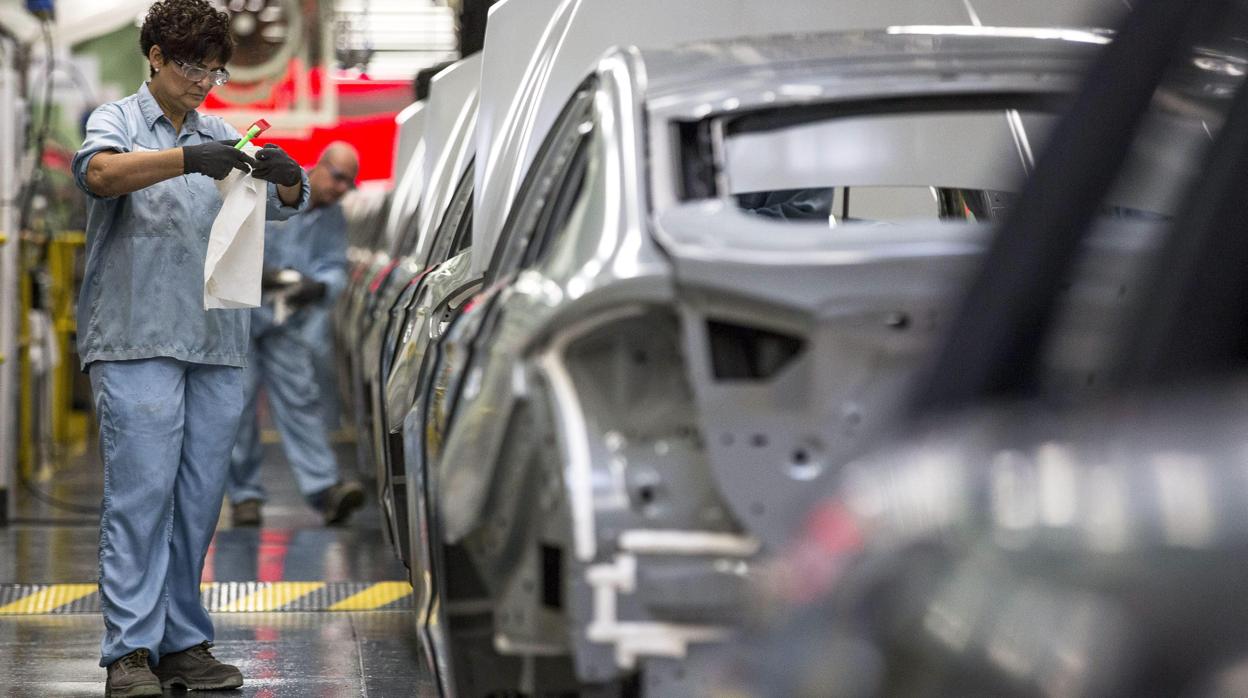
255, 130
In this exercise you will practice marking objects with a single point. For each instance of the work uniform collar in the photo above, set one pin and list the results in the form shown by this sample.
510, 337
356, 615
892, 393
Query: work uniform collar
152, 112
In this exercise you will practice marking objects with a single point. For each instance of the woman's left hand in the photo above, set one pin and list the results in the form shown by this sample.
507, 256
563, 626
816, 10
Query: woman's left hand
274, 165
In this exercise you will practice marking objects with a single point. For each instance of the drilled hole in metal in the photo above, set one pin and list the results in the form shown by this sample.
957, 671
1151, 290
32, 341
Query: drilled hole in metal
898, 321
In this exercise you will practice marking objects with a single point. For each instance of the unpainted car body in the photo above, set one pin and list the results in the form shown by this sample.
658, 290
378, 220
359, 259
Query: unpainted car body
519, 103
365, 211
370, 266
362, 254
566, 431
447, 150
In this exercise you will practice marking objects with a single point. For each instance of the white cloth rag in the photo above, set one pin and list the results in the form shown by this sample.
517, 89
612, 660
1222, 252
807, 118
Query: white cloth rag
235, 256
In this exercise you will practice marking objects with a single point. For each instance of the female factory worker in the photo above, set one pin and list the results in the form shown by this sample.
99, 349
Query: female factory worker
167, 375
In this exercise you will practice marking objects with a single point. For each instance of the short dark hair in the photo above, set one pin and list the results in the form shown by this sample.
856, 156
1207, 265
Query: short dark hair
188, 30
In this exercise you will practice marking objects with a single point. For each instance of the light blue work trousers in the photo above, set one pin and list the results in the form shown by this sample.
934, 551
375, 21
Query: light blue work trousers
317, 333
166, 428
282, 361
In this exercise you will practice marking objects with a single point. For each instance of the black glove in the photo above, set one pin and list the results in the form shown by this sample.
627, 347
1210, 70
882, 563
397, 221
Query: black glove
305, 292
215, 159
274, 165
270, 279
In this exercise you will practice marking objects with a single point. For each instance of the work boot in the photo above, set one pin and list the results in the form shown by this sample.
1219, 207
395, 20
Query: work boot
246, 513
338, 501
130, 676
196, 669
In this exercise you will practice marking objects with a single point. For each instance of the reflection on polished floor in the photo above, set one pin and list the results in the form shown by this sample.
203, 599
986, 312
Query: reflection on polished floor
290, 565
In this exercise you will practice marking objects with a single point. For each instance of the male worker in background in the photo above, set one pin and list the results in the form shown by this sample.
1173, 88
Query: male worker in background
305, 267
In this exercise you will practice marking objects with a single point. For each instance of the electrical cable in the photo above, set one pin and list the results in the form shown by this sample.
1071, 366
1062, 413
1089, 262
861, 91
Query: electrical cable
52, 501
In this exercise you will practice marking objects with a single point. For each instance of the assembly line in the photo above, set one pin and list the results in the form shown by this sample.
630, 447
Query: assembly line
697, 348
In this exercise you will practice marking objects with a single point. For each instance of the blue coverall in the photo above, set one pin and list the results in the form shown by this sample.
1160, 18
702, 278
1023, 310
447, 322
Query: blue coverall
284, 358
167, 378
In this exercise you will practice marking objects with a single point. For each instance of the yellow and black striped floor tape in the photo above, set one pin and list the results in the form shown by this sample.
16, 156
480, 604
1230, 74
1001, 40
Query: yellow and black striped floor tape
221, 597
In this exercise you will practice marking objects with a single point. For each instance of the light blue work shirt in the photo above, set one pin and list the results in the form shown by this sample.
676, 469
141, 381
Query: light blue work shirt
313, 243
143, 288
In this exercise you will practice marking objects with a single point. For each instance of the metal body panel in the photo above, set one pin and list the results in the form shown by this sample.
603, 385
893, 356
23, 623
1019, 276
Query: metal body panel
429, 568
363, 210
520, 112
453, 100
857, 69
445, 147
604, 259
445, 288
450, 358
375, 261
449, 119
557, 439
408, 135
442, 292
406, 192
572, 411
1095, 522
865, 303
515, 31
865, 323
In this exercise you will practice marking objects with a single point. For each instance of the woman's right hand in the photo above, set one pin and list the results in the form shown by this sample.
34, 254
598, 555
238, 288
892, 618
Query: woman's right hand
215, 159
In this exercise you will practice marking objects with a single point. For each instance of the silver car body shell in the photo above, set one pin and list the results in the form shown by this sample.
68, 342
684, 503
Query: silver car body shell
450, 116
518, 110
866, 321
452, 146
623, 262
376, 260
363, 209
443, 290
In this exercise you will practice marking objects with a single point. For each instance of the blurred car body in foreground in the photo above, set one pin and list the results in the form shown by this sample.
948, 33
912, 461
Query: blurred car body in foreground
1064, 515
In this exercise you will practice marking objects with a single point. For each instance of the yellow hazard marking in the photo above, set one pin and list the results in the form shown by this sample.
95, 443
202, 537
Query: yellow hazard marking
222, 597
271, 597
374, 597
48, 599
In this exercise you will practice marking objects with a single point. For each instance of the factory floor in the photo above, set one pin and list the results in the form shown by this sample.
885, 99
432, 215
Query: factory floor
302, 609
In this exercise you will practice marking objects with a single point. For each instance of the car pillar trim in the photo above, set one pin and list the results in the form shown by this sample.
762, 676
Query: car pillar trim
636, 639
571, 429
669, 542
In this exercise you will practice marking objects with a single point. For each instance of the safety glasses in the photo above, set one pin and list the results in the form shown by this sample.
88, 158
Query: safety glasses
339, 175
195, 73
